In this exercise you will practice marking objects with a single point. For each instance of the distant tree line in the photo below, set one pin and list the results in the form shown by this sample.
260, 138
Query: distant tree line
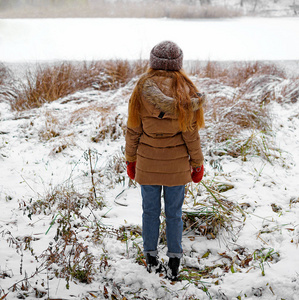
254, 3
14, 3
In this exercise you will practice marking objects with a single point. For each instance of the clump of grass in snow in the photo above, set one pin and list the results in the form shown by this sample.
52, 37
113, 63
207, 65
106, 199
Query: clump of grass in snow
79, 115
211, 213
67, 255
214, 213
50, 129
257, 143
4, 74
228, 116
60, 199
46, 84
238, 122
61, 131
289, 91
115, 170
76, 227
75, 224
265, 255
51, 82
71, 214
234, 74
6, 92
110, 127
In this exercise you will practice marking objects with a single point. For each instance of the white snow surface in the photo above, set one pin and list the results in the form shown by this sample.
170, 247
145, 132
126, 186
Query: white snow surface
92, 39
31, 167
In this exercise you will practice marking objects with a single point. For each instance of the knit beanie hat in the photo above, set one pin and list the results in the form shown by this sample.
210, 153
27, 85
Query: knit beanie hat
166, 56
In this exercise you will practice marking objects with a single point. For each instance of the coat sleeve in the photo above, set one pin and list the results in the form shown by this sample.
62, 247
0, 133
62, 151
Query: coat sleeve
192, 141
132, 141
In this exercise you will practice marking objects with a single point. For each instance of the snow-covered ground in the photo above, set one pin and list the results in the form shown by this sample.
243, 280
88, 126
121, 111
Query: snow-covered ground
45, 152
35, 162
92, 39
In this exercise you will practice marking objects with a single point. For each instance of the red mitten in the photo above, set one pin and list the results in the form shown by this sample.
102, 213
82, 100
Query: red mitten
197, 174
131, 166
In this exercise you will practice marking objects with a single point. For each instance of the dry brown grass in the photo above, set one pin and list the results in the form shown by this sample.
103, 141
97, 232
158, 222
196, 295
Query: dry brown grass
66, 206
235, 74
290, 91
51, 82
50, 129
238, 122
80, 114
110, 127
227, 117
237, 98
237, 95
60, 130
3, 74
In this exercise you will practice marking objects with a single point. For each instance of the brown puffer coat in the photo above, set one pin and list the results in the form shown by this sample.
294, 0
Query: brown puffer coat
163, 152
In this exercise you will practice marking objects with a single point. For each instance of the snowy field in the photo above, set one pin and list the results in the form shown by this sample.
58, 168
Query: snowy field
92, 39
50, 153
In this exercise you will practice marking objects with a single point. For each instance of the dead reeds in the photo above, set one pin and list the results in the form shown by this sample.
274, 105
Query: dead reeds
234, 74
51, 82
211, 211
238, 119
4, 73
237, 98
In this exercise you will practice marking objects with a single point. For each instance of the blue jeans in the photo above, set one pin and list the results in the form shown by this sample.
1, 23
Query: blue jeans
151, 205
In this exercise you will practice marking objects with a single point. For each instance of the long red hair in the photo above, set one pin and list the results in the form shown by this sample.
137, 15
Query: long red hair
182, 87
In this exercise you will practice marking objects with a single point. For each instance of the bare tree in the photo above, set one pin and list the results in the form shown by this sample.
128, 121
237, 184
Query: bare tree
255, 5
295, 7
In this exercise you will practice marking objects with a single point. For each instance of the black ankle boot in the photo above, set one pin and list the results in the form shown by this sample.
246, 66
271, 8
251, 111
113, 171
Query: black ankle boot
153, 264
173, 266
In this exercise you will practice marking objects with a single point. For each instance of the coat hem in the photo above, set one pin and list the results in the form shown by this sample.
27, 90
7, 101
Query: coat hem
162, 183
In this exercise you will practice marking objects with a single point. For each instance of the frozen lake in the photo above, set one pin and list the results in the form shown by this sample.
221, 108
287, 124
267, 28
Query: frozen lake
28, 40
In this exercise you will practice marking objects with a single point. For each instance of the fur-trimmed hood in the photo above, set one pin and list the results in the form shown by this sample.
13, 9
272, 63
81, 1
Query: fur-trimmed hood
154, 95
